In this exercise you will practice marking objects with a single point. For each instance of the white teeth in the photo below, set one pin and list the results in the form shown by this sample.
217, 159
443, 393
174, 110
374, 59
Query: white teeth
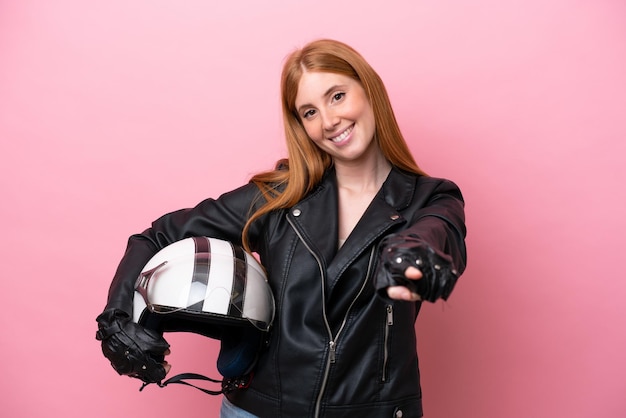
342, 136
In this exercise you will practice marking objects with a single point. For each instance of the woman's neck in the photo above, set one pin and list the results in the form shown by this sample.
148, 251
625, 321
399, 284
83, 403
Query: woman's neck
362, 176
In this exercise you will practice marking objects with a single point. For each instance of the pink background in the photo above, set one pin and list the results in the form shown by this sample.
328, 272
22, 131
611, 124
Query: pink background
112, 113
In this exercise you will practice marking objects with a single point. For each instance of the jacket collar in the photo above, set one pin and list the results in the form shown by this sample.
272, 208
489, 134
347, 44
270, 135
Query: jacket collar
399, 188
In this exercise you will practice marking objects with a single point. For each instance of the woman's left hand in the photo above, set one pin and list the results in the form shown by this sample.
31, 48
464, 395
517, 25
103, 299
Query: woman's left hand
403, 292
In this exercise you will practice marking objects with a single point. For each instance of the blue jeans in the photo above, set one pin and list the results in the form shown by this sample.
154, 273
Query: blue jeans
229, 410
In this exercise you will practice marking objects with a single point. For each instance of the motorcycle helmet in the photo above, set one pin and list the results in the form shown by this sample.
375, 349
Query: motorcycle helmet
210, 287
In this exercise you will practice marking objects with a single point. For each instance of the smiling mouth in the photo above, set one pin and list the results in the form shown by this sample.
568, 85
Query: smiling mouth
342, 135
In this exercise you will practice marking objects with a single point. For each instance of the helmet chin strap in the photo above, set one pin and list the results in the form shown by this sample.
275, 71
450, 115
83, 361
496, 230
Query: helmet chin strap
228, 384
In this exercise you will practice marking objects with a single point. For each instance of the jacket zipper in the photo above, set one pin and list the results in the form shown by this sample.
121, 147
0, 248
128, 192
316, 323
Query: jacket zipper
388, 324
332, 344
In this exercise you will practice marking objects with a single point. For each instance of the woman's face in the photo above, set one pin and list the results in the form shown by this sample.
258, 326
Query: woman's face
337, 115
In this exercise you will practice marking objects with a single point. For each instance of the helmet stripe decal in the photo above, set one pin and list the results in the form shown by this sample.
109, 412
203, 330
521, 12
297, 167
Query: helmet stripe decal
239, 286
200, 270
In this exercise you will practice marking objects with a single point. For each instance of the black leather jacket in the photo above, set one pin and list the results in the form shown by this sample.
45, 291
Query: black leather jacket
336, 348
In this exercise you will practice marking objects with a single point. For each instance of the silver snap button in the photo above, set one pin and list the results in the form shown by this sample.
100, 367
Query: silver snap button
399, 413
296, 212
394, 217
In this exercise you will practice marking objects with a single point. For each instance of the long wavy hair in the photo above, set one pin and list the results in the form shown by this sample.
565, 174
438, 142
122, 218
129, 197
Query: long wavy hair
295, 177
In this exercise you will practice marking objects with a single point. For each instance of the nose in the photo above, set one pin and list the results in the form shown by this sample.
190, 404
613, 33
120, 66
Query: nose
330, 120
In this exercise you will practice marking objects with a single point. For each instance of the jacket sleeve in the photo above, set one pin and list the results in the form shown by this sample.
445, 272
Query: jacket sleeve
222, 218
436, 228
441, 222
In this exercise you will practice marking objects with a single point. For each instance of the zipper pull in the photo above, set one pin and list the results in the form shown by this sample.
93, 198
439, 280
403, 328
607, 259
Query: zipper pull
389, 315
331, 345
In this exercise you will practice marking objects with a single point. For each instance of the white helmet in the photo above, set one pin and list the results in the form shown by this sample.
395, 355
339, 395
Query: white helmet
211, 287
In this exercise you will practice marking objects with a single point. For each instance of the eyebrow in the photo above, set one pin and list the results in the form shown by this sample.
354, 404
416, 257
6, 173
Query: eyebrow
326, 94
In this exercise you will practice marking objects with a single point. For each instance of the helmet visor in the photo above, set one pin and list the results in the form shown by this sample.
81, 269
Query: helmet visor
214, 286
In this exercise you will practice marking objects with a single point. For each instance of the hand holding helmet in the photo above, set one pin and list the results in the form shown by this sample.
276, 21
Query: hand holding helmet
132, 349
202, 285
400, 252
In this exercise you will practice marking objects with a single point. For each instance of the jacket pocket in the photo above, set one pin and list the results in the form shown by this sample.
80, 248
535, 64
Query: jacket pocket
387, 342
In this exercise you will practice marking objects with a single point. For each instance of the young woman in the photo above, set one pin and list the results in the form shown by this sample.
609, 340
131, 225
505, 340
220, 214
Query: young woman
353, 236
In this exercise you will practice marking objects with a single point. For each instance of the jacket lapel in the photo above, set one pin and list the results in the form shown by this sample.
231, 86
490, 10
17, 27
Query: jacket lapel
316, 218
381, 215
